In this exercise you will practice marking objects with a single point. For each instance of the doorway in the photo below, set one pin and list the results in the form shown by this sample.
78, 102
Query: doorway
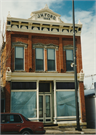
45, 102
45, 114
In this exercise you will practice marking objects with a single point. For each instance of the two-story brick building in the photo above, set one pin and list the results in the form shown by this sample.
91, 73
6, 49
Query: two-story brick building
39, 79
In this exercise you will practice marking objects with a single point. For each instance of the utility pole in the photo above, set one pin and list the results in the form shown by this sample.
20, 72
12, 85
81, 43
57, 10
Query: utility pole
75, 72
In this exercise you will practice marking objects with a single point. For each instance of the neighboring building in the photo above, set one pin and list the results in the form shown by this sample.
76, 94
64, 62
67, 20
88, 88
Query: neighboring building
90, 103
39, 79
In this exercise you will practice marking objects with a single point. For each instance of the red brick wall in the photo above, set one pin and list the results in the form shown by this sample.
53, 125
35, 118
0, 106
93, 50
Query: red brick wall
79, 55
45, 39
8, 49
82, 101
7, 96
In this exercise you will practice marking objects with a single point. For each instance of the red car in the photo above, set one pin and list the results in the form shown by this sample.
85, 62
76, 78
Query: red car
16, 123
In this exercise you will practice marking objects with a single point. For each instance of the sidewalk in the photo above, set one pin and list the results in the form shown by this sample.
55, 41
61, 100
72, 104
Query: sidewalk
57, 130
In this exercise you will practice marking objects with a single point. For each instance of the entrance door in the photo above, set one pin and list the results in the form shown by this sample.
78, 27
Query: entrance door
45, 111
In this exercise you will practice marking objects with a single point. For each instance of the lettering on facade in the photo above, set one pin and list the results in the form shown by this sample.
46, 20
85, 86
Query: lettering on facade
47, 16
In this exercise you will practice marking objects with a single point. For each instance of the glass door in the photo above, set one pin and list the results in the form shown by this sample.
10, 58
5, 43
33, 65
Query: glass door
45, 109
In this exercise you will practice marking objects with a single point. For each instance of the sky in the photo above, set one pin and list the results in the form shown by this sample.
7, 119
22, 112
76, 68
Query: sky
85, 10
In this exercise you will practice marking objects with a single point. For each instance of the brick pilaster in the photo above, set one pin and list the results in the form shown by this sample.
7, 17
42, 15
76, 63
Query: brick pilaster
8, 49
30, 52
79, 55
61, 59
82, 102
7, 96
45, 54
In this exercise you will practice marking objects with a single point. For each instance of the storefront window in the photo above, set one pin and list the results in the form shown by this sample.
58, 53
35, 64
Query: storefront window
66, 103
24, 103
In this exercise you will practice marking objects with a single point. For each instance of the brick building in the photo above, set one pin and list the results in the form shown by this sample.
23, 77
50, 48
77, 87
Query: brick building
39, 79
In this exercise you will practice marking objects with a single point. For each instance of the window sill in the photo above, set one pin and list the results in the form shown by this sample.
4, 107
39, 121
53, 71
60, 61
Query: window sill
46, 72
19, 71
69, 72
51, 71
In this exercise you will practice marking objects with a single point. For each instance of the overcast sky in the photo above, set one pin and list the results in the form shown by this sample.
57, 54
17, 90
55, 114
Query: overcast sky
84, 10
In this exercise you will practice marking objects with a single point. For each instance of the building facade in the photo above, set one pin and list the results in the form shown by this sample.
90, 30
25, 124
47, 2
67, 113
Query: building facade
39, 79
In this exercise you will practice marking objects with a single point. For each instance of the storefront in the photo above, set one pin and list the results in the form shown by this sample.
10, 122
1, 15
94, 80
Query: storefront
46, 100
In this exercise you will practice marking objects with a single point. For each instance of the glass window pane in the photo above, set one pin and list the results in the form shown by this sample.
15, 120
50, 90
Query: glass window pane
69, 54
66, 103
51, 54
24, 103
23, 85
39, 64
47, 106
19, 52
65, 85
44, 87
51, 64
40, 106
39, 53
19, 64
68, 65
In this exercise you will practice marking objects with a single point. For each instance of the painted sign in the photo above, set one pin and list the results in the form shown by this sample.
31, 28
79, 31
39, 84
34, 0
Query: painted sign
46, 16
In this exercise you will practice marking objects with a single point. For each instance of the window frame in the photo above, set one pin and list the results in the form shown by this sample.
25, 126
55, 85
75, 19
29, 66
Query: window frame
23, 59
64, 90
54, 59
43, 59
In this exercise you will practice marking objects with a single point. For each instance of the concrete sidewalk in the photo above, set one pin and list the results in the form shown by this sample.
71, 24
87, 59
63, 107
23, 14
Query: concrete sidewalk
57, 130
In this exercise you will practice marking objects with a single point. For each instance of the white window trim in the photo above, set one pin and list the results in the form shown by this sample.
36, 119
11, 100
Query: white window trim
55, 61
19, 44
23, 59
45, 47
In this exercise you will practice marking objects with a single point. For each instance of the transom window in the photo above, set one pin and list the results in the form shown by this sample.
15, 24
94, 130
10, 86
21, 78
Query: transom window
19, 58
69, 60
39, 59
51, 59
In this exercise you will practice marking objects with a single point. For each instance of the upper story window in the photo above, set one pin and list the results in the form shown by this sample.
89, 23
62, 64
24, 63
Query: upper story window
39, 59
51, 59
19, 58
69, 60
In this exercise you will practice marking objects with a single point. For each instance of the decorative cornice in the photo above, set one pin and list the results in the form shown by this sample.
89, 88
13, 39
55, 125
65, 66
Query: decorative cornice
40, 45
21, 44
68, 47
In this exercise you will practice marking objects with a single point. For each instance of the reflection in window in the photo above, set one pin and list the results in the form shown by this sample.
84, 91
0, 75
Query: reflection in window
39, 59
51, 59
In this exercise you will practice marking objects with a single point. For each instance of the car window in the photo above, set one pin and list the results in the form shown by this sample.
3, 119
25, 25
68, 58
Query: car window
2, 118
5, 118
10, 118
17, 118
